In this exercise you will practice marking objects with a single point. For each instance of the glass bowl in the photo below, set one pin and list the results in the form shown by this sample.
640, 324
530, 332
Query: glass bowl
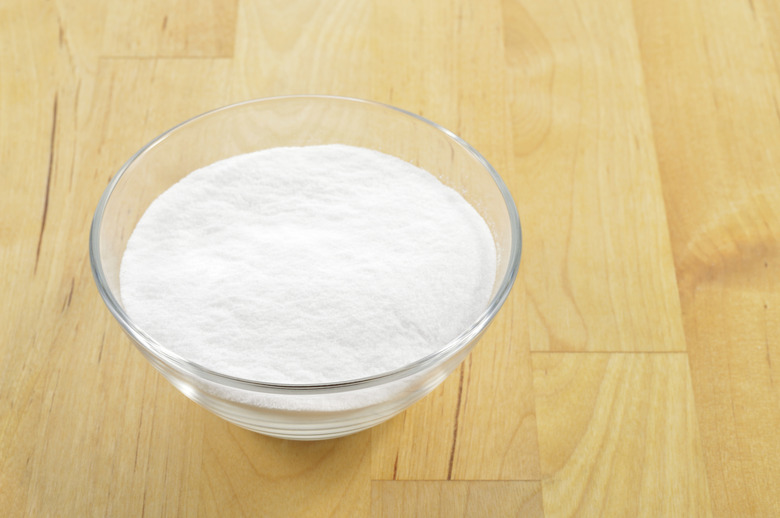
286, 410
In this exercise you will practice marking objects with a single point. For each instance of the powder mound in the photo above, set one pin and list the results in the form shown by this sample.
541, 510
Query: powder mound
307, 265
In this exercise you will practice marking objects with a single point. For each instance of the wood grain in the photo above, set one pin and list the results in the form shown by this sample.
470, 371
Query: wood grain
170, 28
303, 47
464, 499
618, 435
722, 189
246, 474
732, 327
634, 368
587, 181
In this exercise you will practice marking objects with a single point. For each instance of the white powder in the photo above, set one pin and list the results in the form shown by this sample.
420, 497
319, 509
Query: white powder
307, 265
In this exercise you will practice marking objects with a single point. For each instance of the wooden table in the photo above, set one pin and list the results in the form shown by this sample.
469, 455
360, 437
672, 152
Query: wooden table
635, 369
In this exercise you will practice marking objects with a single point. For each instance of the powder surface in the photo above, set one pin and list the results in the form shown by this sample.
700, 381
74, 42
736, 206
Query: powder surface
307, 265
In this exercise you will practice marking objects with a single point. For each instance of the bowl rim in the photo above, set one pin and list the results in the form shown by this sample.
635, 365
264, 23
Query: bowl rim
149, 345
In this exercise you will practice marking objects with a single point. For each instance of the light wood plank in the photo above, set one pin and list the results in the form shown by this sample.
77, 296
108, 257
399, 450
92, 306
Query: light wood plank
721, 186
169, 28
480, 423
718, 141
767, 15
91, 430
618, 435
247, 474
736, 371
31, 65
391, 499
303, 47
599, 271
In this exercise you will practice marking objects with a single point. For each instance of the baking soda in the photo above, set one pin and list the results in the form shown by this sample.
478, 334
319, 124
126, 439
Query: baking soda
307, 265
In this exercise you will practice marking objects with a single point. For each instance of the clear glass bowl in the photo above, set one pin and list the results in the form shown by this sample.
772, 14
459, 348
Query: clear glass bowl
285, 410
